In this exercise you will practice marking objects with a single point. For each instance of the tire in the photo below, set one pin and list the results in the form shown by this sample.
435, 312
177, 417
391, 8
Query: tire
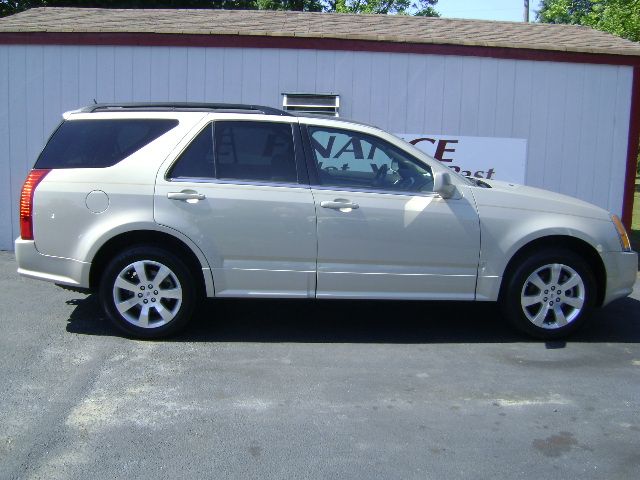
155, 308
549, 294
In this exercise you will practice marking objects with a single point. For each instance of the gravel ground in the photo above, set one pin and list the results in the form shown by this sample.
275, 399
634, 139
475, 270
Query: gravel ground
301, 389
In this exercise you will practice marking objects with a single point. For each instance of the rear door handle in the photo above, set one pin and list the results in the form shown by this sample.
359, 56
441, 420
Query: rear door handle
185, 196
340, 205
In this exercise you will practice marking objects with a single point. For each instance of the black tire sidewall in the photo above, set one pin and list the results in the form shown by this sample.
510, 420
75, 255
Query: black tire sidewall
510, 298
134, 254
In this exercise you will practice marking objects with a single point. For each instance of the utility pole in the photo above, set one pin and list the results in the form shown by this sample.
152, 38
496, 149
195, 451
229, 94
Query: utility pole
526, 11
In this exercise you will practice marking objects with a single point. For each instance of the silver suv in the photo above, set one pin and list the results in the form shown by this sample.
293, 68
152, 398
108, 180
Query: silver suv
155, 206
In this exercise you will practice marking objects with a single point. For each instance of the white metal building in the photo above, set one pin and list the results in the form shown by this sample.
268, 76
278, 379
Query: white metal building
570, 94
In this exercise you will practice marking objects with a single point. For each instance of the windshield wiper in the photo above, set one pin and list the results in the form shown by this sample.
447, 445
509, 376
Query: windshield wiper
478, 182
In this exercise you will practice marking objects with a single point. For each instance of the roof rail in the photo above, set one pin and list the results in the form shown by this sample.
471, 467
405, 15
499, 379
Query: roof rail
184, 107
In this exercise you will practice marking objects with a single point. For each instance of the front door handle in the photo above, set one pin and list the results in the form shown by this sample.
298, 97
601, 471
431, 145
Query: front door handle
185, 195
339, 204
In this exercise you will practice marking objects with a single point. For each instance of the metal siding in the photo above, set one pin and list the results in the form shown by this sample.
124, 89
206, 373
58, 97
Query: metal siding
34, 81
196, 77
326, 65
470, 97
18, 127
505, 95
604, 133
616, 167
178, 73
214, 80
87, 80
105, 80
69, 78
569, 162
538, 117
141, 74
574, 116
6, 201
307, 71
123, 74
488, 97
344, 82
288, 73
251, 60
398, 79
522, 100
556, 83
589, 125
52, 84
452, 96
361, 92
379, 87
159, 89
270, 93
434, 97
416, 92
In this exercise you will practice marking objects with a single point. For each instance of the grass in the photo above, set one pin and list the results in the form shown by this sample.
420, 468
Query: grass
634, 234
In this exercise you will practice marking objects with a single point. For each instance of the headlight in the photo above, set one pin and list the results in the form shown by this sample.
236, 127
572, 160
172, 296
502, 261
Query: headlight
622, 233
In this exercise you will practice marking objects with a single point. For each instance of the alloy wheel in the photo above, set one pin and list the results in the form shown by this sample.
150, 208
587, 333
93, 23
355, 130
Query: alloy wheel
147, 294
553, 296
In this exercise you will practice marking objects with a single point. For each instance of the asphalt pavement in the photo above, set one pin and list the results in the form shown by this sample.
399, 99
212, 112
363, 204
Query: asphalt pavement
312, 390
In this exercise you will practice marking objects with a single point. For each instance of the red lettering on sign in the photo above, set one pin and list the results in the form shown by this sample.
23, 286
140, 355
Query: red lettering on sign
442, 148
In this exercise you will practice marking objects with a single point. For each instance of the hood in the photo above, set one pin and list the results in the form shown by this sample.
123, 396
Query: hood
511, 195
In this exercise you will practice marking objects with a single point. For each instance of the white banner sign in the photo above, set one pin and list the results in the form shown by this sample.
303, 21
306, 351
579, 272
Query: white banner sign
480, 157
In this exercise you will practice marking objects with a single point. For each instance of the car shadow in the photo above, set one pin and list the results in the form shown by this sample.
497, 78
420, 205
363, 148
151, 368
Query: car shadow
347, 321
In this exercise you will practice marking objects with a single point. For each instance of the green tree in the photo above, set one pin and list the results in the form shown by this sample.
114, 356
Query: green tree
419, 7
620, 17
299, 5
413, 7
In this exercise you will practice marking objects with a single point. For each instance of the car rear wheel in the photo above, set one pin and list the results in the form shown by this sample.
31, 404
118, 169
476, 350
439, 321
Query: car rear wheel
147, 292
550, 294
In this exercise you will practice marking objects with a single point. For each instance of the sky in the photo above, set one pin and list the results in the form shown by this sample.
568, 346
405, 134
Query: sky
512, 10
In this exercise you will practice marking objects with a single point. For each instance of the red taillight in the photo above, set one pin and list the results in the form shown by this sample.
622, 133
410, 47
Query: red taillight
26, 202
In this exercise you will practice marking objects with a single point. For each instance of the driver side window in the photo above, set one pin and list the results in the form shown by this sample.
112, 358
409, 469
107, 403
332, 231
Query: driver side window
346, 158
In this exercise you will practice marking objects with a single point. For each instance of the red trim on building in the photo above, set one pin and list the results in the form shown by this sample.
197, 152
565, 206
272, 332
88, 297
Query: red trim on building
305, 43
632, 152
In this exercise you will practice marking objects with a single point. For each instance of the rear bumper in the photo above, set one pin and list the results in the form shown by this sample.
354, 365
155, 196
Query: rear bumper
622, 271
65, 271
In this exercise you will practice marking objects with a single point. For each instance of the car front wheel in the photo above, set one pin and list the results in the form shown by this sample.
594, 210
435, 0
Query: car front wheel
550, 294
147, 292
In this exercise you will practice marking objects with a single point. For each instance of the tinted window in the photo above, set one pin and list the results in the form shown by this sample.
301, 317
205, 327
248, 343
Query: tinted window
99, 143
352, 159
197, 159
255, 151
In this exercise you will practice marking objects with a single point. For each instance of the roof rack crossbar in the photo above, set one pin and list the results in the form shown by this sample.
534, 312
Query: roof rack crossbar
184, 106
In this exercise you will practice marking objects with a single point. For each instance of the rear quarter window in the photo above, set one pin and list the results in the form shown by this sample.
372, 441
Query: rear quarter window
99, 143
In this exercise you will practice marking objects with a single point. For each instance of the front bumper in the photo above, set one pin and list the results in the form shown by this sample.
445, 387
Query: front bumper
622, 271
65, 271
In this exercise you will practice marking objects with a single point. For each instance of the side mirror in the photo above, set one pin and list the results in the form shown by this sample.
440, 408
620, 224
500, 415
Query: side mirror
442, 184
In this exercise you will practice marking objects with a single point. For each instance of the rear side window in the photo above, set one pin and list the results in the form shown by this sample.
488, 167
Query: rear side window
260, 151
197, 159
99, 143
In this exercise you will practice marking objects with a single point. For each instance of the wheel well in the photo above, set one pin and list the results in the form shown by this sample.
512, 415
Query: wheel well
145, 237
576, 245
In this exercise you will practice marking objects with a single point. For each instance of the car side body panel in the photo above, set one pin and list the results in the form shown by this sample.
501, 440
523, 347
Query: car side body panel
512, 216
80, 209
258, 237
397, 246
